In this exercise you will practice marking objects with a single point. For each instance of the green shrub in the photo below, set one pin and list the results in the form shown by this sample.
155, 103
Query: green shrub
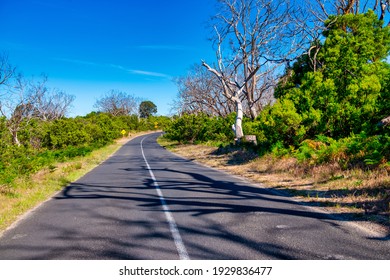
47, 142
358, 150
200, 128
349, 91
277, 126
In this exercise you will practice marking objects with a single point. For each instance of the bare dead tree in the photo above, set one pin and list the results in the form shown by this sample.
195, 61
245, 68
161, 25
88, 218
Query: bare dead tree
24, 100
233, 94
117, 103
50, 104
322, 9
7, 71
253, 41
201, 92
264, 93
17, 106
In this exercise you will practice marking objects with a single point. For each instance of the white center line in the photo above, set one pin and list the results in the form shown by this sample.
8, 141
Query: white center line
181, 249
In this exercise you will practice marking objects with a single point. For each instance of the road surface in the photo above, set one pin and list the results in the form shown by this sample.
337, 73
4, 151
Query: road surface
147, 203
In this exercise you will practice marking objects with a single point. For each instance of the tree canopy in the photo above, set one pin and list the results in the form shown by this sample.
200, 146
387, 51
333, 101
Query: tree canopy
347, 90
147, 109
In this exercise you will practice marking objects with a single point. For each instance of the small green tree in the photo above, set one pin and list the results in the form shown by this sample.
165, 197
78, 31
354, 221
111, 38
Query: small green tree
147, 109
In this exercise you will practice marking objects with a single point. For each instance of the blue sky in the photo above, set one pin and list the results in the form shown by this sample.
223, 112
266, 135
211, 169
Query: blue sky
87, 48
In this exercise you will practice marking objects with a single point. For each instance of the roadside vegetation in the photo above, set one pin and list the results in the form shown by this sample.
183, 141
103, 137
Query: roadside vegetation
43, 144
324, 126
28, 191
309, 81
356, 194
54, 153
42, 149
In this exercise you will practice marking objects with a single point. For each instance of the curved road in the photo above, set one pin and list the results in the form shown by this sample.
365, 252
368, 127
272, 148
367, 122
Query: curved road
147, 203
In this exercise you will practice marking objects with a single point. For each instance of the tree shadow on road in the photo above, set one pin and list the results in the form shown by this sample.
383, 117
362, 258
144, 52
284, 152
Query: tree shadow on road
206, 201
218, 216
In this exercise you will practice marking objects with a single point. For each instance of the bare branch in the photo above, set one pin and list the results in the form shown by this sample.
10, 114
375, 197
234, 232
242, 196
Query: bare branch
253, 34
201, 91
17, 106
7, 71
117, 103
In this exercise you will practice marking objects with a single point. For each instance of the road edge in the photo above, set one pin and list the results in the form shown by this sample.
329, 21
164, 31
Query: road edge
369, 229
29, 212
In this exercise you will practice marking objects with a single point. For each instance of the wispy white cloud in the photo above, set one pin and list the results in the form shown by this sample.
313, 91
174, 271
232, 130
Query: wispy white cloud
141, 72
151, 74
116, 66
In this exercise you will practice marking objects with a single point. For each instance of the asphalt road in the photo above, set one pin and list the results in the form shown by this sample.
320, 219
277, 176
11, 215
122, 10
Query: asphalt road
147, 203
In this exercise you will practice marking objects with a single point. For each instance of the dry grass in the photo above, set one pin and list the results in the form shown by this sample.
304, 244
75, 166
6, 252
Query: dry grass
360, 195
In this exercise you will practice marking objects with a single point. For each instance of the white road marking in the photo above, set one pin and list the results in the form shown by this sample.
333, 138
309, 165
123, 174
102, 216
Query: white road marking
181, 249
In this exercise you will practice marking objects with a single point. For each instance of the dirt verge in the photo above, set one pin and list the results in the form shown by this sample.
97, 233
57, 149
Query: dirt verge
360, 196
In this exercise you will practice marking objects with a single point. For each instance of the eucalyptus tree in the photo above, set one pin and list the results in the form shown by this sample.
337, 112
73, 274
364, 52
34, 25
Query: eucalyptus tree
253, 40
26, 99
201, 92
17, 104
50, 103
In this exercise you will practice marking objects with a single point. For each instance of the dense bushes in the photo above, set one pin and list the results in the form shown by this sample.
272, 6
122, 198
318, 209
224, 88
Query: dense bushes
200, 128
355, 151
348, 92
281, 132
327, 107
44, 143
278, 123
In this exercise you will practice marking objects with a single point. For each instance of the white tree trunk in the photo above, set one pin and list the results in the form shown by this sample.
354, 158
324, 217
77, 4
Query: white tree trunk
237, 127
15, 138
253, 111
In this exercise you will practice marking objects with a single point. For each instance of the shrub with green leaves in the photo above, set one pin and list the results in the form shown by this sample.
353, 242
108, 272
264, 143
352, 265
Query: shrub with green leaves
278, 124
45, 142
349, 90
200, 128
354, 151
67, 132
